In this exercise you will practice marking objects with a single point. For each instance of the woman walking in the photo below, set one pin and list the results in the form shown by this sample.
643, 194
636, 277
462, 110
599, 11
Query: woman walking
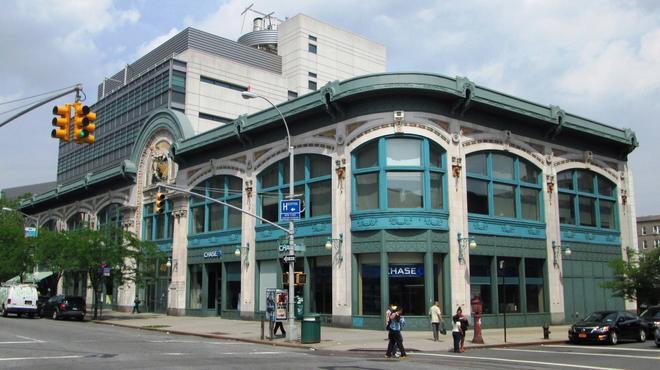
456, 332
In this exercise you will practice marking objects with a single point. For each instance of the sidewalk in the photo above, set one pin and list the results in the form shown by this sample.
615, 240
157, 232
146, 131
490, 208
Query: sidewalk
334, 339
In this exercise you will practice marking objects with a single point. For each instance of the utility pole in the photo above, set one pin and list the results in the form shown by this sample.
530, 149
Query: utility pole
77, 89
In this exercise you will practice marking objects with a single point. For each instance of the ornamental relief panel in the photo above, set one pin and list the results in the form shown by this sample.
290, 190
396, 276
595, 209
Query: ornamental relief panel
387, 127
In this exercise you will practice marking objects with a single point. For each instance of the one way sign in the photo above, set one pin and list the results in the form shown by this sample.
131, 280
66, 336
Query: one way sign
290, 210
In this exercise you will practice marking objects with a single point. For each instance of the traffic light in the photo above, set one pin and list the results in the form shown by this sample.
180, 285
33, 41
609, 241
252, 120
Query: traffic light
301, 278
62, 123
83, 124
285, 278
160, 203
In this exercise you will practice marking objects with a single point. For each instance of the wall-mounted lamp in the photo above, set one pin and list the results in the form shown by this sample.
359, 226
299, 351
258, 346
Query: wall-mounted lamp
336, 244
172, 263
556, 252
248, 188
465, 242
245, 253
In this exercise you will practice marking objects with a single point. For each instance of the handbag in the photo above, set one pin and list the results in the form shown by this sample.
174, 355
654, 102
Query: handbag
443, 331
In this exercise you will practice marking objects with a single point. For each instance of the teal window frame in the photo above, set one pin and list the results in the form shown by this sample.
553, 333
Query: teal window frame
382, 170
204, 188
282, 186
106, 215
576, 194
168, 221
515, 182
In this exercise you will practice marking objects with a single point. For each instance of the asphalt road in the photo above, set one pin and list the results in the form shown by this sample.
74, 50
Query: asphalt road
47, 344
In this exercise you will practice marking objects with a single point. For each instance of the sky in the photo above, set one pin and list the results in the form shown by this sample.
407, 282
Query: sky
596, 59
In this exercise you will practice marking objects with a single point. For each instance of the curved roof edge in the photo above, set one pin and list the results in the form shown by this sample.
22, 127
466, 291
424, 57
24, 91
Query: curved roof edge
458, 87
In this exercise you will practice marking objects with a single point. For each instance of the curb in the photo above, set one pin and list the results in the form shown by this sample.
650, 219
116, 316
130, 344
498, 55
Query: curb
212, 336
303, 346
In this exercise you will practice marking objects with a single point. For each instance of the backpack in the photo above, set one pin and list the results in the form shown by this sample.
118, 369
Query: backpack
464, 324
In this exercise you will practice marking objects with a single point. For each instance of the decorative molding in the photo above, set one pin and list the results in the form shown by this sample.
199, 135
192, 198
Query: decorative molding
505, 227
180, 213
384, 220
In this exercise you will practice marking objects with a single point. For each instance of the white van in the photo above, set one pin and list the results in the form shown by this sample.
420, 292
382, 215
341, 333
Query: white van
19, 299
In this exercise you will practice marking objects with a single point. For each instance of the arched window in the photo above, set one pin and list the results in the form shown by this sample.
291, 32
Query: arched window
503, 185
78, 221
311, 179
210, 216
110, 215
586, 199
50, 225
399, 172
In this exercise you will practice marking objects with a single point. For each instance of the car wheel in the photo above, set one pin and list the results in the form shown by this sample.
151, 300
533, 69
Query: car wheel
641, 337
81, 318
55, 316
614, 338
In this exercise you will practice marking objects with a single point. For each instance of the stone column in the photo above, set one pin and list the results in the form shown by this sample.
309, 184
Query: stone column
341, 225
126, 292
176, 297
553, 234
249, 248
627, 218
458, 223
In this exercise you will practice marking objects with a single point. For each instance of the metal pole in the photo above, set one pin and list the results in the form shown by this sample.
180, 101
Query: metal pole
292, 245
77, 88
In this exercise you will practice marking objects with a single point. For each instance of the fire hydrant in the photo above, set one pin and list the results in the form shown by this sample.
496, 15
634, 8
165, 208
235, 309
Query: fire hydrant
546, 330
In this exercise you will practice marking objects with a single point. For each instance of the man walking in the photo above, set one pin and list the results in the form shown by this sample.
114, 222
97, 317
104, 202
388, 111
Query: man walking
436, 319
136, 305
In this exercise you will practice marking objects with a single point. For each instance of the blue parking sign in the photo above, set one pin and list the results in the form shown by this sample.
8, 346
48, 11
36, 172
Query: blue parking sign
290, 210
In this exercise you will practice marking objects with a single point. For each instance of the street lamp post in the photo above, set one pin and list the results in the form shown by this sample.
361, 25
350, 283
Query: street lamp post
292, 253
501, 266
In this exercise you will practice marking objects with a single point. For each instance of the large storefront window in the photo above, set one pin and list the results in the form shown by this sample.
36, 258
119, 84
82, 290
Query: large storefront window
312, 184
195, 287
508, 284
210, 216
480, 281
534, 285
399, 172
321, 292
586, 199
406, 282
157, 226
233, 285
503, 185
369, 285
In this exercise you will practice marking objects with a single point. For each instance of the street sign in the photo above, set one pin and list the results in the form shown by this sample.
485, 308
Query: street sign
30, 232
289, 259
106, 271
290, 210
298, 248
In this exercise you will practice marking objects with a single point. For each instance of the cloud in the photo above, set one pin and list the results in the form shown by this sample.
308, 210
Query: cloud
154, 43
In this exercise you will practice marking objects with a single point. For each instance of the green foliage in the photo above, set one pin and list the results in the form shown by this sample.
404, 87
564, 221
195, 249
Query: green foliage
638, 278
16, 251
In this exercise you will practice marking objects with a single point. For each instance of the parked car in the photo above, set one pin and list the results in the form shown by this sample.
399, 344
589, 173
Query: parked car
608, 327
19, 299
64, 307
651, 318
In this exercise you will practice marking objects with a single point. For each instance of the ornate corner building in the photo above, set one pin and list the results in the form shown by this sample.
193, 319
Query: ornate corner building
399, 170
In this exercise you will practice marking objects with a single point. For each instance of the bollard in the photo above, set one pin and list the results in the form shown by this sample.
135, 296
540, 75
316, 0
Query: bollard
546, 330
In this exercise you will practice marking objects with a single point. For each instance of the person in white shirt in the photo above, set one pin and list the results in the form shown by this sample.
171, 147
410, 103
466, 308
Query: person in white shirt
436, 319
457, 331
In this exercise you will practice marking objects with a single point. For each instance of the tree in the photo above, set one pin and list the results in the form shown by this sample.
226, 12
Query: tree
120, 251
53, 253
637, 278
17, 256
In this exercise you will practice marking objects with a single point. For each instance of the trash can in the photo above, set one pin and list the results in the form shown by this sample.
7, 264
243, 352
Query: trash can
311, 329
298, 307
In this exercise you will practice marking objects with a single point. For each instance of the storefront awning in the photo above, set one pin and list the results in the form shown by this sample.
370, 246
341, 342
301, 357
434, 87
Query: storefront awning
30, 278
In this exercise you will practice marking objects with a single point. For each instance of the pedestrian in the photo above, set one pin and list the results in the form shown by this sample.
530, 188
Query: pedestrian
464, 327
136, 305
456, 332
436, 319
390, 308
397, 323
279, 325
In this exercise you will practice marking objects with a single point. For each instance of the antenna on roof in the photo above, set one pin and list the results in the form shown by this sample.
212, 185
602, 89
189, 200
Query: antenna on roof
243, 14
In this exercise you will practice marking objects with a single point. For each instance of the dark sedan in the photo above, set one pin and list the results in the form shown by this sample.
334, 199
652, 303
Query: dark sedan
65, 306
608, 327
651, 318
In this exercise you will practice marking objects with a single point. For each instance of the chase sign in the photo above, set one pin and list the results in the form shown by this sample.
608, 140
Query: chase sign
401, 271
213, 254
